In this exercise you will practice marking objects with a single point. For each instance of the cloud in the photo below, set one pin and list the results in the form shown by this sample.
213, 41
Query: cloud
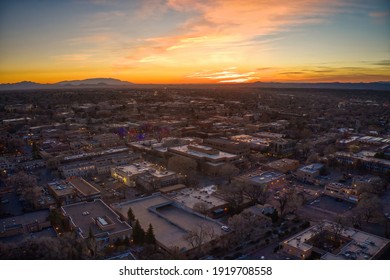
293, 73
227, 75
382, 63
382, 14
223, 30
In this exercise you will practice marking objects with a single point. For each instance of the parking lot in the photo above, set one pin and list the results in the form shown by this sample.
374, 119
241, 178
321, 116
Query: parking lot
330, 204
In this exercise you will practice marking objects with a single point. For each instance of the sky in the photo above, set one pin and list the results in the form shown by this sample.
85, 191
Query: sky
188, 41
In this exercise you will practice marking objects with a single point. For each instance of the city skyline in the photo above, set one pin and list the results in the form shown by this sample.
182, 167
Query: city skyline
195, 41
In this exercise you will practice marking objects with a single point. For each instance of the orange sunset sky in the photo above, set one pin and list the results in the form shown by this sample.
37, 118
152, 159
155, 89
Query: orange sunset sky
195, 41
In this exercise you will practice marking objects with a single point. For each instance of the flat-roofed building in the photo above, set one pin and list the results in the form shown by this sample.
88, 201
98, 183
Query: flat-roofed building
107, 139
363, 160
147, 175
341, 191
255, 143
309, 173
210, 160
281, 148
269, 179
97, 218
229, 146
62, 192
351, 244
17, 228
85, 191
367, 181
171, 221
284, 165
203, 200
85, 168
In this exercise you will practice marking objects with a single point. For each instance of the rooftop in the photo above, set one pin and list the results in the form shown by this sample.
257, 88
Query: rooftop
265, 177
84, 187
311, 168
362, 245
199, 154
190, 197
60, 188
171, 221
89, 215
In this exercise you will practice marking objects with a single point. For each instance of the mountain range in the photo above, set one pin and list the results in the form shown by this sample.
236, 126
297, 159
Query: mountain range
109, 82
87, 83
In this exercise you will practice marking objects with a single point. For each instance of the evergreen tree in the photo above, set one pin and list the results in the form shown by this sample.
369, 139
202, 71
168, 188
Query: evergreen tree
130, 216
35, 151
138, 233
149, 237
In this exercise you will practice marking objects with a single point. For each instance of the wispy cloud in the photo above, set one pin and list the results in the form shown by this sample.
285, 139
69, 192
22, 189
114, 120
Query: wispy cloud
221, 30
381, 14
225, 76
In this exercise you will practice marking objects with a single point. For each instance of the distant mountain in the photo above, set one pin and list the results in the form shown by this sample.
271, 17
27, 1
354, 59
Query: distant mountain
87, 83
21, 85
95, 82
359, 86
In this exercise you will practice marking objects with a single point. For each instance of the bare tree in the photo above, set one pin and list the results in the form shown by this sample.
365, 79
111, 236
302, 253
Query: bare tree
337, 227
25, 185
234, 195
370, 206
228, 171
182, 165
200, 235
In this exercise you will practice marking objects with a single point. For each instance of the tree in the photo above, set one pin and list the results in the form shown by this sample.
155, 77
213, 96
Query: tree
130, 216
199, 235
182, 165
370, 207
149, 236
337, 228
26, 186
257, 194
138, 233
312, 158
247, 226
233, 194
289, 201
35, 151
228, 171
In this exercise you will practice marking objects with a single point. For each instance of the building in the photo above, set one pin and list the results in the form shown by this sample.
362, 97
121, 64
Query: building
171, 221
363, 161
360, 182
229, 146
255, 143
203, 200
266, 179
85, 168
18, 228
310, 172
281, 148
209, 159
98, 219
330, 241
106, 139
146, 175
284, 165
341, 191
85, 191
62, 192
